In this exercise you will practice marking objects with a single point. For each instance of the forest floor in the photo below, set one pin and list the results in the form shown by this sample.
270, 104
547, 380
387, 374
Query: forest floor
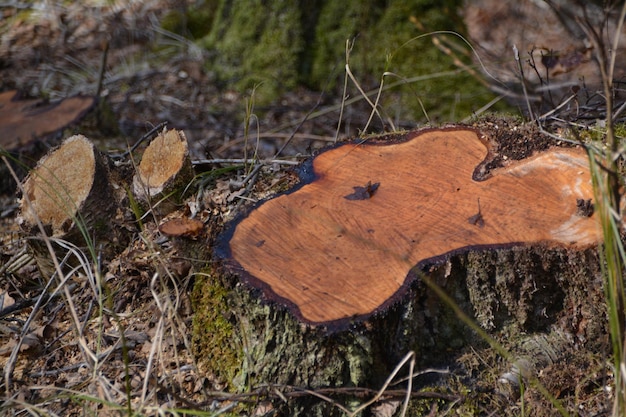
82, 351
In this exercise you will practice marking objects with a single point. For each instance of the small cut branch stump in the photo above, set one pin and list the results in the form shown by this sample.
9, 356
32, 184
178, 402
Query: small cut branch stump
74, 196
335, 269
164, 171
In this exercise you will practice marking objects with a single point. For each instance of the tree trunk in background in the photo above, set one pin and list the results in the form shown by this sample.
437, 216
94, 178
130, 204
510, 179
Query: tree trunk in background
267, 48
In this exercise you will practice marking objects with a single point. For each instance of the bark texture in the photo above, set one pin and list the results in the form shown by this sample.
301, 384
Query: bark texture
519, 295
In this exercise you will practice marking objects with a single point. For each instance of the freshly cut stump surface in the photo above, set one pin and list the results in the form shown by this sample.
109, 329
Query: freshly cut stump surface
344, 242
164, 168
59, 186
75, 196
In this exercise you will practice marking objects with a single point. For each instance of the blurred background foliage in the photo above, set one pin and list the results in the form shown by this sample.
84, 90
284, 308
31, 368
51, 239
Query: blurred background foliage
274, 46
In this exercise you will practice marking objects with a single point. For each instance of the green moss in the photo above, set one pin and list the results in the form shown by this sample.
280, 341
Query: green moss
213, 334
257, 44
192, 22
597, 133
385, 40
273, 46
244, 342
358, 362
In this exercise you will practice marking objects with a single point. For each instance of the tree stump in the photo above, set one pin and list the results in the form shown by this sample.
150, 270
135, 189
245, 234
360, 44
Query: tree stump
343, 245
74, 195
164, 171
24, 122
79, 195
337, 272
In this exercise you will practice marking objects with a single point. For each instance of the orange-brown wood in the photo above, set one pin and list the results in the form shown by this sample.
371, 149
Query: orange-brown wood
181, 227
333, 256
21, 121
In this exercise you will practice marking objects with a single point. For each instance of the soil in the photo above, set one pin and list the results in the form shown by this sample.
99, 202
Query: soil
116, 337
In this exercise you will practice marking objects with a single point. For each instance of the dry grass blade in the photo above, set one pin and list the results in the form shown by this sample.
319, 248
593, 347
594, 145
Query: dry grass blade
157, 339
344, 95
25, 329
410, 358
89, 356
364, 95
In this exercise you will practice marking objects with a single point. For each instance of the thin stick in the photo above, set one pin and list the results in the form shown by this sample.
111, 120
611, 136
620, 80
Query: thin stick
243, 161
408, 357
344, 96
148, 135
557, 108
306, 117
523, 81
363, 93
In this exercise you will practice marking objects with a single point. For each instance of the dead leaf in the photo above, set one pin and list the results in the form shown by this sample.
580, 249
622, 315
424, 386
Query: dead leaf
363, 193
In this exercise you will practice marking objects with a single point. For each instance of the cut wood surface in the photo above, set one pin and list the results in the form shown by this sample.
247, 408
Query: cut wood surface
80, 195
344, 242
58, 188
165, 167
21, 121
181, 227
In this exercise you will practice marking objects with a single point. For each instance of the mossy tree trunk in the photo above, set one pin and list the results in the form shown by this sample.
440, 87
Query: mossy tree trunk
266, 48
514, 294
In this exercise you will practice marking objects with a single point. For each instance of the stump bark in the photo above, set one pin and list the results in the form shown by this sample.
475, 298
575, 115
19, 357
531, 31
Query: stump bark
331, 283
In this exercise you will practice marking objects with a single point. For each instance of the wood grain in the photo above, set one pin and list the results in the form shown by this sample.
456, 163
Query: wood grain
332, 258
164, 170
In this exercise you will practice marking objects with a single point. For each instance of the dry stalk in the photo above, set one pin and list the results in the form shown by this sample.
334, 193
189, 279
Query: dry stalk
88, 355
